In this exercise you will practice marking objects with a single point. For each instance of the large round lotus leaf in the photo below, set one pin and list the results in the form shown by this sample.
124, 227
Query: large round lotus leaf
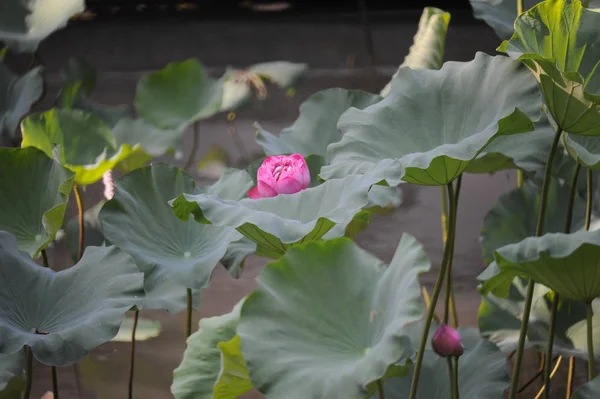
78, 140
584, 149
429, 44
436, 122
17, 95
481, 373
213, 366
11, 367
34, 191
316, 127
591, 390
499, 320
63, 315
333, 340
178, 95
280, 222
566, 263
557, 40
25, 23
140, 221
510, 219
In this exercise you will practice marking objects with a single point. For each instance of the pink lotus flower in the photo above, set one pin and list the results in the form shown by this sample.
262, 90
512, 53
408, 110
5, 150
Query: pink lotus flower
446, 342
281, 174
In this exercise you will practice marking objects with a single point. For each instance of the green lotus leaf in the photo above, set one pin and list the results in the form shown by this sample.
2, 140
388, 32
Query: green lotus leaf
429, 44
481, 372
11, 368
527, 152
277, 223
237, 90
499, 14
236, 255
336, 340
208, 369
166, 249
282, 73
566, 263
24, 24
17, 95
145, 330
499, 320
78, 140
14, 389
316, 127
590, 390
509, 221
584, 149
35, 191
434, 123
37, 303
553, 40
178, 95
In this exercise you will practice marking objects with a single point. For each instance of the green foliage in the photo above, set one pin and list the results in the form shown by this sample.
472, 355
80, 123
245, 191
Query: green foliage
17, 95
36, 303
552, 39
334, 340
434, 123
34, 197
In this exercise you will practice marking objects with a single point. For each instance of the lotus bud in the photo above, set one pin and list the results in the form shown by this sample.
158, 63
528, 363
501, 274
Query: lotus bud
446, 342
109, 185
281, 174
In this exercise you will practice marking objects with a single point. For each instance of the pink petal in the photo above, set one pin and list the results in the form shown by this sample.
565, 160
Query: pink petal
266, 190
253, 193
288, 185
302, 171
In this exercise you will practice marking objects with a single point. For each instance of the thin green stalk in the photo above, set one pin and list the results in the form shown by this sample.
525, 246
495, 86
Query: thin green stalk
590, 341
80, 214
520, 7
54, 382
451, 376
380, 392
436, 292
132, 353
29, 371
589, 198
450, 303
531, 284
192, 156
556, 298
520, 178
455, 391
53, 368
190, 309
237, 140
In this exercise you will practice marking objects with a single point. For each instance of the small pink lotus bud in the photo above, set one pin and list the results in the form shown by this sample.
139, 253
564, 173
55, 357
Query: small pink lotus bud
281, 174
446, 342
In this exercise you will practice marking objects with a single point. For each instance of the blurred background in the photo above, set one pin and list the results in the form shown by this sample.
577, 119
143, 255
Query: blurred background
348, 44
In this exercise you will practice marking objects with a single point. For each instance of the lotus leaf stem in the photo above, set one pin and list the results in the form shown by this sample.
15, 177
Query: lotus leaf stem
520, 7
80, 214
520, 178
132, 353
380, 393
531, 284
589, 198
436, 292
590, 341
192, 156
570, 375
190, 308
237, 140
450, 303
29, 372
